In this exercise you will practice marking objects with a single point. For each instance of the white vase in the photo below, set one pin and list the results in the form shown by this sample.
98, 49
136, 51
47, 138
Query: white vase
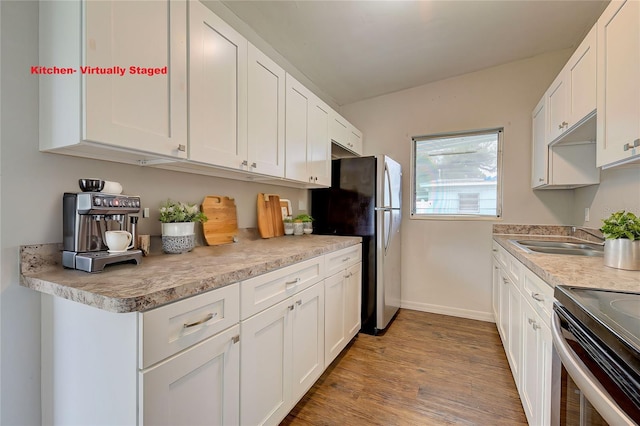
178, 237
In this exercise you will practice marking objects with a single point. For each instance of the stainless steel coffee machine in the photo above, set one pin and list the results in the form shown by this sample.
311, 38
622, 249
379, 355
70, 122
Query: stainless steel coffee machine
86, 216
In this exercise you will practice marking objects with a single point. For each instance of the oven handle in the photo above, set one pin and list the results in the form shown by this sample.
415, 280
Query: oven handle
586, 382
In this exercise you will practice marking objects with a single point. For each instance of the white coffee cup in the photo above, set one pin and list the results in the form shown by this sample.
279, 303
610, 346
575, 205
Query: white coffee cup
112, 187
118, 240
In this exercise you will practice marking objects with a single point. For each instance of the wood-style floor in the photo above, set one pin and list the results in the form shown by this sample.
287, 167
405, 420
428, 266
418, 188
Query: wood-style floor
427, 369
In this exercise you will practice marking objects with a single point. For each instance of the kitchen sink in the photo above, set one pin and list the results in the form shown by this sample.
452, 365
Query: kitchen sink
560, 247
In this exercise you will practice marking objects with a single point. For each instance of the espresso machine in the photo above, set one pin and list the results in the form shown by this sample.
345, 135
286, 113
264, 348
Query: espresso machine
86, 216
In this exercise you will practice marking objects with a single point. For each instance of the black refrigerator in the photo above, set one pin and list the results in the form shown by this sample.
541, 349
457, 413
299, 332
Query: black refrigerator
365, 200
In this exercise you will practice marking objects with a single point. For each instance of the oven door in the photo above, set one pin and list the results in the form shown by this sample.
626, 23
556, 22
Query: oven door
583, 389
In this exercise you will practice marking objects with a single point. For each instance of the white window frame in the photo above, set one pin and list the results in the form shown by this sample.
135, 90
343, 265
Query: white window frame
479, 217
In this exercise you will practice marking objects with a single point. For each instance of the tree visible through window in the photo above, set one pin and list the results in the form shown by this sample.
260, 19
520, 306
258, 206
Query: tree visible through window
457, 174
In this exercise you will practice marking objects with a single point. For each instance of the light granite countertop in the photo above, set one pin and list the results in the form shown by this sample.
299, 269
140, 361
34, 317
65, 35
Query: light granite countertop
163, 278
554, 269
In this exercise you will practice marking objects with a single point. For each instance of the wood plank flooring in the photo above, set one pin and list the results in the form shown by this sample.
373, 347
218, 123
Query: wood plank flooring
427, 369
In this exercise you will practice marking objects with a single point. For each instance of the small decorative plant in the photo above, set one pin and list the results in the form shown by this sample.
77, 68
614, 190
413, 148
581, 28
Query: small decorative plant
287, 219
621, 225
303, 218
176, 211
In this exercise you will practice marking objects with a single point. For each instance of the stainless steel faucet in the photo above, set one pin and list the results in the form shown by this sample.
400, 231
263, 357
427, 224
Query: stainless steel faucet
589, 231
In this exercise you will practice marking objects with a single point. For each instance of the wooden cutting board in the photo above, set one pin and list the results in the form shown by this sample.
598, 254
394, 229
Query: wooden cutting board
221, 226
269, 216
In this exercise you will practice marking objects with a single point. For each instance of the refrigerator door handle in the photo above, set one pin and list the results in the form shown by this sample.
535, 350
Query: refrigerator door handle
387, 187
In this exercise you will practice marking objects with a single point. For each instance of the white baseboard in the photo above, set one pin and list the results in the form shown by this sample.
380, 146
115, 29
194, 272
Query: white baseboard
447, 310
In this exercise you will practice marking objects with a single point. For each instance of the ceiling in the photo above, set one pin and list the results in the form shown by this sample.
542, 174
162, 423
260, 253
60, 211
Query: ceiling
354, 50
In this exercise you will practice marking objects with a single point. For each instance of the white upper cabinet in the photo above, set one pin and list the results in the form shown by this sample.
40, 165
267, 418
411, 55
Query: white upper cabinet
344, 133
126, 92
540, 147
308, 147
355, 140
265, 117
218, 90
571, 98
618, 135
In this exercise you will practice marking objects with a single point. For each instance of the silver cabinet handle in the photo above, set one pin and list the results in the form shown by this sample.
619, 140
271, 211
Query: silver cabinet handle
182, 148
537, 296
254, 165
290, 307
346, 259
202, 321
629, 146
504, 280
296, 281
535, 326
299, 302
244, 163
235, 339
540, 179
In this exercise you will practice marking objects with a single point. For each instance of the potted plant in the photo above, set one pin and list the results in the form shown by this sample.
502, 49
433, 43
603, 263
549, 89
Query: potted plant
306, 220
178, 225
288, 225
621, 231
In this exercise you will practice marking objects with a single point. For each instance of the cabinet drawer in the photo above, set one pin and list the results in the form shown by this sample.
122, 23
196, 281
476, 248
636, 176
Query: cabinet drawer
514, 269
499, 253
261, 292
341, 259
176, 326
538, 294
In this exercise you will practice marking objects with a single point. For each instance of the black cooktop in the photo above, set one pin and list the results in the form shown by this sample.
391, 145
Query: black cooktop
612, 316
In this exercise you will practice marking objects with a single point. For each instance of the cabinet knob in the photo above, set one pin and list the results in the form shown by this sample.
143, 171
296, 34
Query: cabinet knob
290, 307
244, 163
235, 339
299, 302
182, 148
540, 179
254, 165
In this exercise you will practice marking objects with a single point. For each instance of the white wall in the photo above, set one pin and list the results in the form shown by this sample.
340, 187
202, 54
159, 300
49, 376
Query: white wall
32, 188
447, 264
619, 189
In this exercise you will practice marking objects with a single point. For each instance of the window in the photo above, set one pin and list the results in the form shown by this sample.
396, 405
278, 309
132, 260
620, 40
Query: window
457, 175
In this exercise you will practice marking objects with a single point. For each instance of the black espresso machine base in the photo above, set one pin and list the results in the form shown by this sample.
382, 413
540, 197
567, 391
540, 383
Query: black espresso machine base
95, 261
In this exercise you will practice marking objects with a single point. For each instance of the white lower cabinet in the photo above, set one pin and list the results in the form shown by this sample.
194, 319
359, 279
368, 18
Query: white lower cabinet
523, 318
197, 387
241, 354
535, 380
282, 355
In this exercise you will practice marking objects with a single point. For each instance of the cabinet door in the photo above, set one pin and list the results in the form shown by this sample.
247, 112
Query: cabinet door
495, 291
540, 149
319, 144
298, 104
198, 386
217, 91
139, 111
557, 107
265, 118
353, 300
581, 79
334, 299
503, 323
355, 140
618, 122
308, 339
515, 331
535, 383
265, 366
339, 129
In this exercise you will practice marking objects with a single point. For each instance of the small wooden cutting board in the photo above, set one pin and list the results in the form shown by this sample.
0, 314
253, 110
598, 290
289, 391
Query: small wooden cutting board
221, 226
269, 216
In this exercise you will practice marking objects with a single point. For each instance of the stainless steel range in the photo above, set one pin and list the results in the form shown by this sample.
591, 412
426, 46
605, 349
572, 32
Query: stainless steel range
86, 216
596, 336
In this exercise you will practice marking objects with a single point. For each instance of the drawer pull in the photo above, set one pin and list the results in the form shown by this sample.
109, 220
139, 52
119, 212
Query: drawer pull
290, 307
349, 275
235, 339
299, 302
294, 282
202, 321
537, 296
346, 259
504, 280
